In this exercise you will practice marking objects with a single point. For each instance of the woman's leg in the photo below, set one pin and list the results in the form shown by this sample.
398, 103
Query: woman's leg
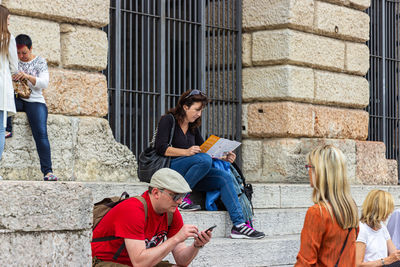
37, 117
19, 105
221, 180
192, 168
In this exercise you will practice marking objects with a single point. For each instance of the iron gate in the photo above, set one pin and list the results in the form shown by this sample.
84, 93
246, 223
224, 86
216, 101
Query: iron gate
383, 75
161, 48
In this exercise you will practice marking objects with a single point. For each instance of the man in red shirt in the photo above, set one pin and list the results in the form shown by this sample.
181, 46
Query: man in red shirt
148, 241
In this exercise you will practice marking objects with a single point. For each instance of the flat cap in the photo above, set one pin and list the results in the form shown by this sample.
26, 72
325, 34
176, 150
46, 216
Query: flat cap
170, 179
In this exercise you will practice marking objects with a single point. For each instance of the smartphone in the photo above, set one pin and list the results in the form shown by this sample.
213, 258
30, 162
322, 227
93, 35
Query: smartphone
211, 228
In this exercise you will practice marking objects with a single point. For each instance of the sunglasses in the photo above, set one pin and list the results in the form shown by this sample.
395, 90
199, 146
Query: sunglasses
175, 196
195, 92
308, 167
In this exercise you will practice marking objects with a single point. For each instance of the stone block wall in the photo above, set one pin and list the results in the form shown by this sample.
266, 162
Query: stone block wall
38, 227
304, 63
67, 34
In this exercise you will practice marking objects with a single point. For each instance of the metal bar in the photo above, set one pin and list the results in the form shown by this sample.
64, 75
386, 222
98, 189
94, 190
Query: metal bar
123, 79
148, 74
137, 81
202, 56
384, 70
131, 133
117, 106
179, 65
161, 55
185, 87
155, 70
239, 68
173, 52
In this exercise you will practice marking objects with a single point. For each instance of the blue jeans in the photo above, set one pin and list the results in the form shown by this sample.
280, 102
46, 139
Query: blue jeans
201, 176
37, 118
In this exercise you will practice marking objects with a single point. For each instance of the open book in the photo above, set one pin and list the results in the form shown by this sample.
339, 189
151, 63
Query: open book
218, 147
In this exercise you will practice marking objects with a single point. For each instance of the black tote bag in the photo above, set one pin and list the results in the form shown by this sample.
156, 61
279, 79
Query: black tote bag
149, 161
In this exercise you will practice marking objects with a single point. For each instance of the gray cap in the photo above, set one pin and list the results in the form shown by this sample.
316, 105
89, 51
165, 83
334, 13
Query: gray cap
167, 178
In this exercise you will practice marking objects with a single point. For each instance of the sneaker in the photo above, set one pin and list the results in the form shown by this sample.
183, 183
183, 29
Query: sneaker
8, 134
50, 177
188, 205
245, 231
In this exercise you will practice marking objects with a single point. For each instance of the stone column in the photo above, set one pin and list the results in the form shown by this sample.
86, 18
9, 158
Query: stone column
304, 63
67, 33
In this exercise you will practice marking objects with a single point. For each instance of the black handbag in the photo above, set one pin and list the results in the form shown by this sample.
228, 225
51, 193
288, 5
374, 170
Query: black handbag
149, 161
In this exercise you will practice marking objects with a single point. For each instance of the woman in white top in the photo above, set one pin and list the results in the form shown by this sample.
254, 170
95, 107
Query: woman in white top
374, 246
34, 70
8, 66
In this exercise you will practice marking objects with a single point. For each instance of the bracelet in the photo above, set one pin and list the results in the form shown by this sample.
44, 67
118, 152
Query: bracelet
199, 247
383, 261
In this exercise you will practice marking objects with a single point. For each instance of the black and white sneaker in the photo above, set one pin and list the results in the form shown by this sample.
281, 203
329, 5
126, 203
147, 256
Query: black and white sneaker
245, 231
188, 205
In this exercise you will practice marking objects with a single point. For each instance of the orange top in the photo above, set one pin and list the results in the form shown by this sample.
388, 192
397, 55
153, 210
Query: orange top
322, 239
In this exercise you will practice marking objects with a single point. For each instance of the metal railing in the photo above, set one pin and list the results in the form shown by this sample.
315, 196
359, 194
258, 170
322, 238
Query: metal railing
159, 49
383, 76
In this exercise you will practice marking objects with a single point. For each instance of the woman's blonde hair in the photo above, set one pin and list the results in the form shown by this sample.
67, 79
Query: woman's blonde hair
377, 207
330, 185
5, 35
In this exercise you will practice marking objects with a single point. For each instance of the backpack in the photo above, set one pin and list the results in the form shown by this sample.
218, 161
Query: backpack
244, 191
101, 208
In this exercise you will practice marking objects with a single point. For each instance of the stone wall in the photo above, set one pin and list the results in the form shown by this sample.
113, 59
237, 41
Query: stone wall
304, 63
68, 35
38, 227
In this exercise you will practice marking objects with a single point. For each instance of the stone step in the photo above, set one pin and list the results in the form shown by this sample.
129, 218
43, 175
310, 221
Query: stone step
266, 196
273, 222
269, 251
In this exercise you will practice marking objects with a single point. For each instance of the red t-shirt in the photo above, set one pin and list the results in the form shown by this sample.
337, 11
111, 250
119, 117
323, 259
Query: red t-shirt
126, 220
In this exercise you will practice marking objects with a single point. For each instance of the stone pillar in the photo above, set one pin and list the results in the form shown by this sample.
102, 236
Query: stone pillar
304, 63
67, 33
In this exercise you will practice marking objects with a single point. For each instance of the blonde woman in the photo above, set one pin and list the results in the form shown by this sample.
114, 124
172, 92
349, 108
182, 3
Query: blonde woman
329, 232
8, 66
374, 246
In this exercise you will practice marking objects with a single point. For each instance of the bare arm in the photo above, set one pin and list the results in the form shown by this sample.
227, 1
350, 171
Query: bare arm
360, 253
181, 152
140, 256
184, 255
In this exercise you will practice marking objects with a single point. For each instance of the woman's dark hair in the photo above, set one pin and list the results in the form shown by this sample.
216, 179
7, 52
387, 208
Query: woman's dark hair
188, 98
23, 40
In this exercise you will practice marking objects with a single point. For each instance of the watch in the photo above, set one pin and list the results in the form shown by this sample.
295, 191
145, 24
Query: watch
382, 261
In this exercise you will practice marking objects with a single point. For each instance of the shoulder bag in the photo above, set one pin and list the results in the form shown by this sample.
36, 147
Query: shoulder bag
21, 88
149, 161
344, 245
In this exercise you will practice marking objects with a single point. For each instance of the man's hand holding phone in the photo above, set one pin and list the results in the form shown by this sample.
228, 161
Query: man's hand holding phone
203, 237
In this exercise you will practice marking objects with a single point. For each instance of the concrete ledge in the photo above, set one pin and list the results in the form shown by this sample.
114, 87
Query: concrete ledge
45, 224
82, 149
272, 251
266, 195
42, 206
46, 248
